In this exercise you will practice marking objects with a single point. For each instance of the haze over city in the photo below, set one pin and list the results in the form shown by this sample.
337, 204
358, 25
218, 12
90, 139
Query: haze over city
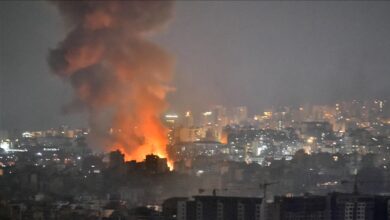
268, 53
194, 110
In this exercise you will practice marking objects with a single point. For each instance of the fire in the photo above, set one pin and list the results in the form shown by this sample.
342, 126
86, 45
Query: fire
140, 155
224, 137
120, 78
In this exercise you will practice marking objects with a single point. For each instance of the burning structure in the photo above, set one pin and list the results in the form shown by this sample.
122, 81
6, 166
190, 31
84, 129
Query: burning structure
120, 78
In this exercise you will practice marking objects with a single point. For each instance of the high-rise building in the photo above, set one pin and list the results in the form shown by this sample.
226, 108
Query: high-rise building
190, 134
219, 208
334, 206
220, 115
207, 118
188, 120
171, 120
298, 208
239, 114
345, 206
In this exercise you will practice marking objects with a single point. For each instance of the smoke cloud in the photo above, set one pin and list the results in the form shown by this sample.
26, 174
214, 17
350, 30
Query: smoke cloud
119, 76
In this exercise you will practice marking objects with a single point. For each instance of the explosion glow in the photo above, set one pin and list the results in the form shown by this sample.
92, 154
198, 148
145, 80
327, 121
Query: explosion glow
119, 76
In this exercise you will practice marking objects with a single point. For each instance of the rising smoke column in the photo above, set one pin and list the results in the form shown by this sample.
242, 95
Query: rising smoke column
119, 76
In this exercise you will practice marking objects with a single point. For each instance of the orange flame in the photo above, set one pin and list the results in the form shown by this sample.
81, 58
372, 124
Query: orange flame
115, 70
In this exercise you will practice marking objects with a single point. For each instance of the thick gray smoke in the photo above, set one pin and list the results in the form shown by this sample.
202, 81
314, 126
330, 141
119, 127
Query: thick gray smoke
119, 76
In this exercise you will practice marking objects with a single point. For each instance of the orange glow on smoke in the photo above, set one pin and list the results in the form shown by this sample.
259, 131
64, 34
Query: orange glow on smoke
139, 130
81, 57
138, 136
97, 20
119, 76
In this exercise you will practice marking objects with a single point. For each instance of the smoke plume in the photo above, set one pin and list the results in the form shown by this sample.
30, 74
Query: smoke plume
119, 76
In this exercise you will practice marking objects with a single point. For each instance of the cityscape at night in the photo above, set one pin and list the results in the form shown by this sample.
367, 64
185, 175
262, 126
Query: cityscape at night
194, 110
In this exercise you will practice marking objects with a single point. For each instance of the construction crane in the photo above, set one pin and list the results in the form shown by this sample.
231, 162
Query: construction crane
356, 183
356, 192
263, 186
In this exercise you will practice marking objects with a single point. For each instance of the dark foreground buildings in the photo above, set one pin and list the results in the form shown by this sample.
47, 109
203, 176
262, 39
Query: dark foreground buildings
219, 208
334, 206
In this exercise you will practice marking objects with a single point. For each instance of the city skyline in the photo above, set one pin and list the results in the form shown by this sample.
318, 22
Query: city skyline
194, 110
295, 53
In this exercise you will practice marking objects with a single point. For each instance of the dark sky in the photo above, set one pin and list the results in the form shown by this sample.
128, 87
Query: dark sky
228, 52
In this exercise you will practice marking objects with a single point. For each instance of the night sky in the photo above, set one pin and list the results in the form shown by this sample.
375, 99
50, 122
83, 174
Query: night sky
257, 54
